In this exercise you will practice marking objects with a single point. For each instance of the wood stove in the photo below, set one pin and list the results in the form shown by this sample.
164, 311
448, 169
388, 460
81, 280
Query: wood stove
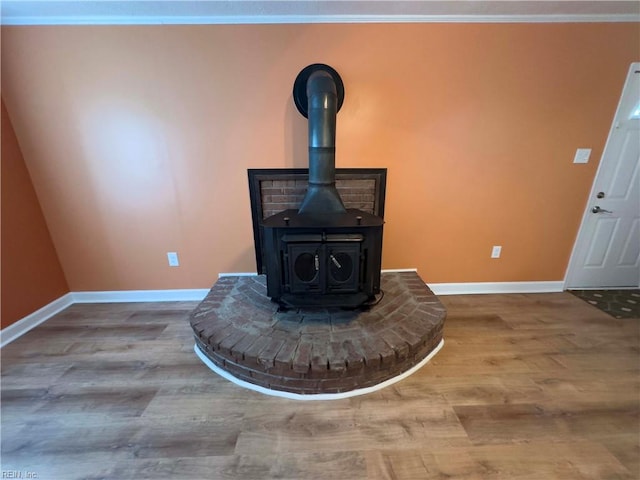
318, 239
321, 254
323, 260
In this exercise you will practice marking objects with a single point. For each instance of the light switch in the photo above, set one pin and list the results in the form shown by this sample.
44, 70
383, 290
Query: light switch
582, 155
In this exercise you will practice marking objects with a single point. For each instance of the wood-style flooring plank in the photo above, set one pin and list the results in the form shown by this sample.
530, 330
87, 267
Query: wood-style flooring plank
571, 459
540, 386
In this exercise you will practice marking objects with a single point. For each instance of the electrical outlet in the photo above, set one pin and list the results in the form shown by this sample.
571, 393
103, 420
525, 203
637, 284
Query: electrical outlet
496, 251
173, 259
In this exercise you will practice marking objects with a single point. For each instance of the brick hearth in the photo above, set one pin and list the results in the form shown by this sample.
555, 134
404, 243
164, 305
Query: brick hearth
320, 350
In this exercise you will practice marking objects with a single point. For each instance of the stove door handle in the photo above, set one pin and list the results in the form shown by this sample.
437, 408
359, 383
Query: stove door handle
335, 262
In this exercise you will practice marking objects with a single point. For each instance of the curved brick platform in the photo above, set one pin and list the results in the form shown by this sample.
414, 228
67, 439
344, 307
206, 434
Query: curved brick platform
319, 350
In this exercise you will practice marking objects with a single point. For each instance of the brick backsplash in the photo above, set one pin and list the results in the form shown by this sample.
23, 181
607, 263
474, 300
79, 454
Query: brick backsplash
279, 195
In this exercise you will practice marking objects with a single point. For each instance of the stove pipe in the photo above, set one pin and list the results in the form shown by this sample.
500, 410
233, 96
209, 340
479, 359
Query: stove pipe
322, 107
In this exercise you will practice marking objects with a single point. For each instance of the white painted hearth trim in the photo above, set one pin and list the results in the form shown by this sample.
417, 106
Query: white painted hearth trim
495, 287
316, 396
22, 326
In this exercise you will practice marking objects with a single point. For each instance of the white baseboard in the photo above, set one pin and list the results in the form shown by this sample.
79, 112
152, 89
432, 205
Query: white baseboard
469, 288
237, 274
22, 326
399, 270
495, 287
125, 296
25, 324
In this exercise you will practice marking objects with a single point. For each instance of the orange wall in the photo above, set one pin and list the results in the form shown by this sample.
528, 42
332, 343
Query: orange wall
138, 139
31, 273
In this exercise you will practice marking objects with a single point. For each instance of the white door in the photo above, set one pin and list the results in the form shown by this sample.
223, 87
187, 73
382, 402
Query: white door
607, 250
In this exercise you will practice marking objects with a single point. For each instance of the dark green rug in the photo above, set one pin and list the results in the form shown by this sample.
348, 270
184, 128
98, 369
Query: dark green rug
617, 303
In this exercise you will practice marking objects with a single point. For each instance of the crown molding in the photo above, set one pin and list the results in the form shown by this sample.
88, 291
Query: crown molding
311, 19
188, 12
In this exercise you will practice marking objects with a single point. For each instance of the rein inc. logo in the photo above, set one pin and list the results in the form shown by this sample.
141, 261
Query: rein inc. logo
19, 474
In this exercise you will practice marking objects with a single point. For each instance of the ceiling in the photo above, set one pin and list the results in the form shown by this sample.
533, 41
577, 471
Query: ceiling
107, 12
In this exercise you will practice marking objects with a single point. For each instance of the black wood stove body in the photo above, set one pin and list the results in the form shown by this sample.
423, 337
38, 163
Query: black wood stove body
323, 260
322, 254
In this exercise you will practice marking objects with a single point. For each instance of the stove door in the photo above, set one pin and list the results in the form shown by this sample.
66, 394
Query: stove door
304, 269
342, 267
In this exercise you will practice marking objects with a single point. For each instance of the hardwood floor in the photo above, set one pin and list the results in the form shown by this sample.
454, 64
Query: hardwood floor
539, 386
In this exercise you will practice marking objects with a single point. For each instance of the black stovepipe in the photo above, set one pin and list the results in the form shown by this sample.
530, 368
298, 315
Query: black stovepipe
322, 196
